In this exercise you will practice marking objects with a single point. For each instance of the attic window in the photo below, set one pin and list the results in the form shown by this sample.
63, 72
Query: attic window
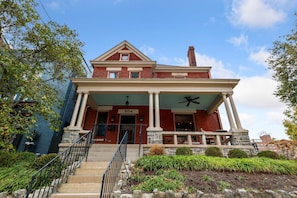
124, 57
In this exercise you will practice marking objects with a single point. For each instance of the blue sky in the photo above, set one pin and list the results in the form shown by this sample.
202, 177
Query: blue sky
232, 36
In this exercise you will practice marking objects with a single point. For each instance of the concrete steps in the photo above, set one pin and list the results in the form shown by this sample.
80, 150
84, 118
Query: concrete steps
86, 181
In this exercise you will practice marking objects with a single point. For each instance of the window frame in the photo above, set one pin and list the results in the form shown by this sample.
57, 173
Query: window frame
125, 57
135, 72
116, 74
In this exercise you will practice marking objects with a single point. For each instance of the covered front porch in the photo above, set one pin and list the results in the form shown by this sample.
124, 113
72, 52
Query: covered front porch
155, 111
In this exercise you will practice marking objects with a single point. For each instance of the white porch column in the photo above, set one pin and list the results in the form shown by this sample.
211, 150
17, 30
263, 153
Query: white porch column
75, 111
157, 112
151, 112
230, 118
218, 139
82, 110
203, 139
236, 117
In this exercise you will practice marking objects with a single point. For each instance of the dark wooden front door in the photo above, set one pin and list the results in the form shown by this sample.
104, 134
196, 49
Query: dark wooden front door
127, 125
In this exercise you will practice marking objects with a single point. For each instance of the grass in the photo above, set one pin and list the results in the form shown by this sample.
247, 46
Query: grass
16, 174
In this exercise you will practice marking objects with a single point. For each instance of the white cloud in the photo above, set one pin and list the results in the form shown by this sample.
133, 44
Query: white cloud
260, 57
218, 68
256, 13
259, 110
274, 117
242, 40
257, 92
147, 50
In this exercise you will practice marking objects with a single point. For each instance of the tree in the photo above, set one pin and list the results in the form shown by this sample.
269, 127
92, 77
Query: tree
34, 57
283, 61
290, 123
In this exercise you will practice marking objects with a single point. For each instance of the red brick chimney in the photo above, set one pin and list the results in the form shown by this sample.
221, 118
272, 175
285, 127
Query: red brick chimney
191, 56
266, 139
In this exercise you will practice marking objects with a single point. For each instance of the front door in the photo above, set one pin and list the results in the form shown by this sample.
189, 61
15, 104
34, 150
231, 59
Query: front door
127, 125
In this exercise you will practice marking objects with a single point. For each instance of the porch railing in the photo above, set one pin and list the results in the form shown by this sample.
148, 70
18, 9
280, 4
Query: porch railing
46, 180
197, 138
112, 171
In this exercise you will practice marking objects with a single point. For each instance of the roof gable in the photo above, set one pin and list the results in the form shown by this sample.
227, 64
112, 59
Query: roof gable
122, 48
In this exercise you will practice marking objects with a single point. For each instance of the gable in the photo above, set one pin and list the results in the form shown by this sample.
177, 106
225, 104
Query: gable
124, 48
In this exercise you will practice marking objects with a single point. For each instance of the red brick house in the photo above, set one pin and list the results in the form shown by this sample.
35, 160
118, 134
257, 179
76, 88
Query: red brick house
154, 103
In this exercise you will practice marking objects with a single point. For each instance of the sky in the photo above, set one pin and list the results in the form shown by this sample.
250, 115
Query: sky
232, 36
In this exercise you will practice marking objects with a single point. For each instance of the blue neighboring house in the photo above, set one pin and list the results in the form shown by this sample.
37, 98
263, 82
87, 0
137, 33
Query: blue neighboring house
44, 139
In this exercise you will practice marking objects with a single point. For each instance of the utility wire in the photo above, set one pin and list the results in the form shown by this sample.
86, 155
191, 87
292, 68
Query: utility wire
84, 60
44, 10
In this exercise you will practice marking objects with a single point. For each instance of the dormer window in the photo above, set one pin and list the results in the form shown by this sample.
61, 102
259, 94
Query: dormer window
124, 57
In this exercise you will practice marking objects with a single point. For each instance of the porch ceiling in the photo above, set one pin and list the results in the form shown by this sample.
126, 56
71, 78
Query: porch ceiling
167, 100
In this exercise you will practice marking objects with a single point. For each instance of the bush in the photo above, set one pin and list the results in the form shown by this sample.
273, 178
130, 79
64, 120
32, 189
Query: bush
268, 154
183, 151
26, 156
237, 153
43, 160
156, 150
50, 172
214, 152
7, 158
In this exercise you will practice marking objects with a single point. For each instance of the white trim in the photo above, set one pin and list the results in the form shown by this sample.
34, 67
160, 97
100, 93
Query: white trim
179, 74
104, 108
113, 69
135, 69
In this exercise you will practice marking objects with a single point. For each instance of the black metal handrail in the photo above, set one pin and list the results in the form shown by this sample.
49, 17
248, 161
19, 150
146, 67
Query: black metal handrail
113, 169
46, 180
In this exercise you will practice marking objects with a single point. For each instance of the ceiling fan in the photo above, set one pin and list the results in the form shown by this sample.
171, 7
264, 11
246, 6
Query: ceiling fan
189, 99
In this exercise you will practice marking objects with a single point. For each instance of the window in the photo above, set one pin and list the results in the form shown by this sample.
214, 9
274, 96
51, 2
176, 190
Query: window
134, 75
124, 57
112, 74
184, 123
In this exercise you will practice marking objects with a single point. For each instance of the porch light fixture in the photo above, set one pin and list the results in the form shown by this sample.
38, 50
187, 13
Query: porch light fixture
127, 101
141, 118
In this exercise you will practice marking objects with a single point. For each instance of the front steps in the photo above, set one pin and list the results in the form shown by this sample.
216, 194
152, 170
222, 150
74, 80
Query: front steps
86, 181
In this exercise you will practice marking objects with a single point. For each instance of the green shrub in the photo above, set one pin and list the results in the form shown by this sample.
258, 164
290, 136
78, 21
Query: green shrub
167, 180
237, 153
7, 158
268, 154
26, 156
50, 172
44, 159
183, 151
201, 162
214, 152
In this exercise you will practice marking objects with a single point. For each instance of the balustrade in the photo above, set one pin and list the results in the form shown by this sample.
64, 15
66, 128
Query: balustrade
197, 138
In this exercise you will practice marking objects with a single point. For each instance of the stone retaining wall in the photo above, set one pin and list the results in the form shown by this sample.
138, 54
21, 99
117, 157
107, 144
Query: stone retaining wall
239, 193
